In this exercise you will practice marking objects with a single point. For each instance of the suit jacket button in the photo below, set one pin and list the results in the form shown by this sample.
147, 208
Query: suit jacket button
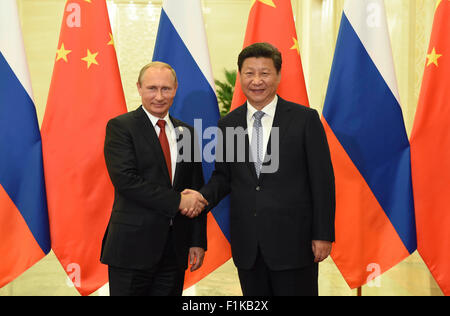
258, 188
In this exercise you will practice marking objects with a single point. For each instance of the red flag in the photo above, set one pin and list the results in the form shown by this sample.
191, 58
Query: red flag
430, 153
85, 92
272, 21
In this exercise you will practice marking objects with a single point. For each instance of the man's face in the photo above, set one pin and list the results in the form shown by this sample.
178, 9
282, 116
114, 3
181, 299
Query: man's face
157, 90
259, 80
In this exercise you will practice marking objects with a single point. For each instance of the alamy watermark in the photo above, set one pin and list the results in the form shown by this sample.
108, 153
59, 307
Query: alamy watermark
231, 144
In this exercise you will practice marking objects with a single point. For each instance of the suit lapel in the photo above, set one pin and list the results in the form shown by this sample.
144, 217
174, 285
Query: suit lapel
149, 134
242, 121
177, 125
280, 121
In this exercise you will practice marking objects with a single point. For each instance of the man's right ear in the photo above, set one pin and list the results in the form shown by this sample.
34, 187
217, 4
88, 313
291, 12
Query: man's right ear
138, 85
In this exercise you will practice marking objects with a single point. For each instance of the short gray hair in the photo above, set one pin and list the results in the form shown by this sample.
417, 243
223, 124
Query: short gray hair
160, 65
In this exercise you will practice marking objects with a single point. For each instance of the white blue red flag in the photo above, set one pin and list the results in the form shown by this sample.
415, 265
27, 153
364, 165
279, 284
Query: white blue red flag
24, 228
375, 225
181, 42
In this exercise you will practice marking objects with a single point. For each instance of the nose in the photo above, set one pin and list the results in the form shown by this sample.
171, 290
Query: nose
159, 95
257, 80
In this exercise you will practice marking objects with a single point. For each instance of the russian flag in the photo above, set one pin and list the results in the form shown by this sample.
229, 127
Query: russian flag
181, 42
24, 229
375, 225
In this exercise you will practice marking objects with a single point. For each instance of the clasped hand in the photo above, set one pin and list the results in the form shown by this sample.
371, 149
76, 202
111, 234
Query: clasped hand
192, 203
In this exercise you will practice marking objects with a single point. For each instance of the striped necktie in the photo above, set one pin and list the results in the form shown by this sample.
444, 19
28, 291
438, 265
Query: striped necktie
257, 141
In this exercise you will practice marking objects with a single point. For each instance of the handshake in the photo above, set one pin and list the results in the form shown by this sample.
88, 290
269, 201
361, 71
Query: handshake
192, 203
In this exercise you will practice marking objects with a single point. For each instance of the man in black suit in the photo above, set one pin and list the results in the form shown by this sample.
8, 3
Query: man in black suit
282, 210
149, 240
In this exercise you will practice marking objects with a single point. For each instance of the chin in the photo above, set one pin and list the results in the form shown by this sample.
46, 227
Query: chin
258, 100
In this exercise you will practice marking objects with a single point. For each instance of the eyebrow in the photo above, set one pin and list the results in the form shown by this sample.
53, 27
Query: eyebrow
157, 86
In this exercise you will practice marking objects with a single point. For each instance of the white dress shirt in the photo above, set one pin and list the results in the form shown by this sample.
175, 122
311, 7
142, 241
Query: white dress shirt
171, 137
266, 121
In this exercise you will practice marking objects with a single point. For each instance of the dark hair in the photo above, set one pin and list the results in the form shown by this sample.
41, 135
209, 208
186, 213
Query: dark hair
265, 50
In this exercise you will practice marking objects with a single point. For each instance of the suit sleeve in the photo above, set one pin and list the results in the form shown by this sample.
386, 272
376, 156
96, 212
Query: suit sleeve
121, 163
218, 186
321, 179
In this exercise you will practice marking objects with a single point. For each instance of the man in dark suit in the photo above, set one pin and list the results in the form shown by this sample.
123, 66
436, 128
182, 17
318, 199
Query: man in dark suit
148, 239
282, 210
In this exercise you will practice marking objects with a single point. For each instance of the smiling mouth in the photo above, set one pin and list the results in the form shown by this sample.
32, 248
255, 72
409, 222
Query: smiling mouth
257, 91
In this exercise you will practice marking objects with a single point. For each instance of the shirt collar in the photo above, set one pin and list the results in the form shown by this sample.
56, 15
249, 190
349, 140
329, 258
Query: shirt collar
268, 110
155, 119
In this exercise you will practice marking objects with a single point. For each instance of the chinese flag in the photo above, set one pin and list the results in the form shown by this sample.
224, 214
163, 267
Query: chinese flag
272, 21
430, 153
85, 92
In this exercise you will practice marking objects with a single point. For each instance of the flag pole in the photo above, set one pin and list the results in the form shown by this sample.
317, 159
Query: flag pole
359, 291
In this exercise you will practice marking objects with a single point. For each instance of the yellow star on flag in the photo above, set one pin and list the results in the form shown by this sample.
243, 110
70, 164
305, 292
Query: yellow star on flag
62, 53
111, 42
268, 2
90, 58
88, 1
433, 57
295, 46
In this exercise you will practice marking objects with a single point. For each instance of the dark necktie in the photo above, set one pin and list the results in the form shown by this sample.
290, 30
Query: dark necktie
165, 146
